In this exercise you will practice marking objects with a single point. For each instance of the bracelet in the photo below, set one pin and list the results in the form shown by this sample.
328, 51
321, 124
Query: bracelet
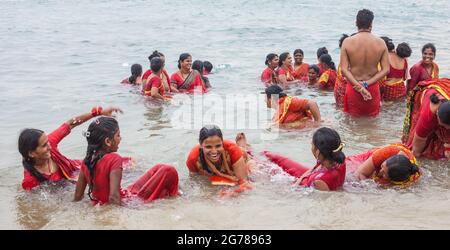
96, 111
365, 84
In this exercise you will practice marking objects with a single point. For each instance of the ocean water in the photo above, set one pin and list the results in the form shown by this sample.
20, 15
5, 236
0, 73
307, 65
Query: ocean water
60, 58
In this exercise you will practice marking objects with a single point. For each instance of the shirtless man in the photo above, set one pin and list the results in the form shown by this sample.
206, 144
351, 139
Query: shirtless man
360, 56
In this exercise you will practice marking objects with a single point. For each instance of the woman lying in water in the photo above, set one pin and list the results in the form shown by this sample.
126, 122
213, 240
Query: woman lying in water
392, 165
41, 158
104, 163
329, 172
214, 156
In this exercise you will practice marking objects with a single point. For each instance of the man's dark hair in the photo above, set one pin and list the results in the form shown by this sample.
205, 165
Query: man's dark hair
364, 19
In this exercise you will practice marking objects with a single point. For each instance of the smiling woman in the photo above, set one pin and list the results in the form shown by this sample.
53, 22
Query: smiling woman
214, 156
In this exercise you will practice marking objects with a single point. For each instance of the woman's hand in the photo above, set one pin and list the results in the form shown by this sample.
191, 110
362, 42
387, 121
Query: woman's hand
110, 110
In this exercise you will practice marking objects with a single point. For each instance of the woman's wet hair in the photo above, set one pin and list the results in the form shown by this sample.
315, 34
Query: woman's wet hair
315, 68
183, 57
282, 57
28, 142
321, 51
389, 44
156, 64
403, 50
208, 66
274, 90
429, 46
269, 58
400, 168
341, 40
329, 143
326, 59
443, 112
136, 71
298, 51
364, 19
206, 132
101, 128
198, 65
155, 54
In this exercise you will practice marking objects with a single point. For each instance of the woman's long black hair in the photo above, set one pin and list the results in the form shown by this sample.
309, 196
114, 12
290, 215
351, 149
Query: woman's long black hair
326, 58
100, 129
329, 143
28, 142
136, 71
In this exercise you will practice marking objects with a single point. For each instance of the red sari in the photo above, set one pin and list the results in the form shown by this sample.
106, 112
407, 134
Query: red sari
292, 112
394, 90
300, 71
328, 79
419, 73
67, 168
160, 181
154, 82
421, 121
269, 76
355, 105
334, 177
164, 77
339, 88
289, 73
193, 83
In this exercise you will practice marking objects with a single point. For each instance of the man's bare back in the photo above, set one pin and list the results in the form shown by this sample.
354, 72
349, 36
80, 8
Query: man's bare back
364, 52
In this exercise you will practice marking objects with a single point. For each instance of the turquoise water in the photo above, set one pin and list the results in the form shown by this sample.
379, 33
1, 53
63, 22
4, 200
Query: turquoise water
59, 58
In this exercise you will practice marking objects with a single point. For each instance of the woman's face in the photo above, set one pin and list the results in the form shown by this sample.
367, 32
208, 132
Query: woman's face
427, 56
384, 171
213, 148
274, 63
112, 144
298, 58
42, 151
312, 75
288, 61
186, 63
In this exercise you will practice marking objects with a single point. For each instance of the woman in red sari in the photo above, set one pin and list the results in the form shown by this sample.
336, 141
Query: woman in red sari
163, 75
339, 86
300, 68
426, 129
154, 86
269, 75
393, 87
392, 165
136, 75
424, 70
185, 79
102, 170
292, 112
214, 156
41, 158
329, 172
328, 77
286, 71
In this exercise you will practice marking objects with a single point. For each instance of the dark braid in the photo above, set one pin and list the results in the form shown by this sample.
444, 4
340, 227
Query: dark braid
100, 129
28, 142
203, 161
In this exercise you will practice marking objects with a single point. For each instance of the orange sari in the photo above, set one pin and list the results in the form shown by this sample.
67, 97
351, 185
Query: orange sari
292, 112
300, 71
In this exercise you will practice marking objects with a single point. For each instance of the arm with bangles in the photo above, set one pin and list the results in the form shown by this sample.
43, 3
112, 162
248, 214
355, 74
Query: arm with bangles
284, 82
96, 111
240, 171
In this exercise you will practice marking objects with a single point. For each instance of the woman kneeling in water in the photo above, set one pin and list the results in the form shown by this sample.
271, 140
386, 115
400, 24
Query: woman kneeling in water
214, 156
329, 172
102, 170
